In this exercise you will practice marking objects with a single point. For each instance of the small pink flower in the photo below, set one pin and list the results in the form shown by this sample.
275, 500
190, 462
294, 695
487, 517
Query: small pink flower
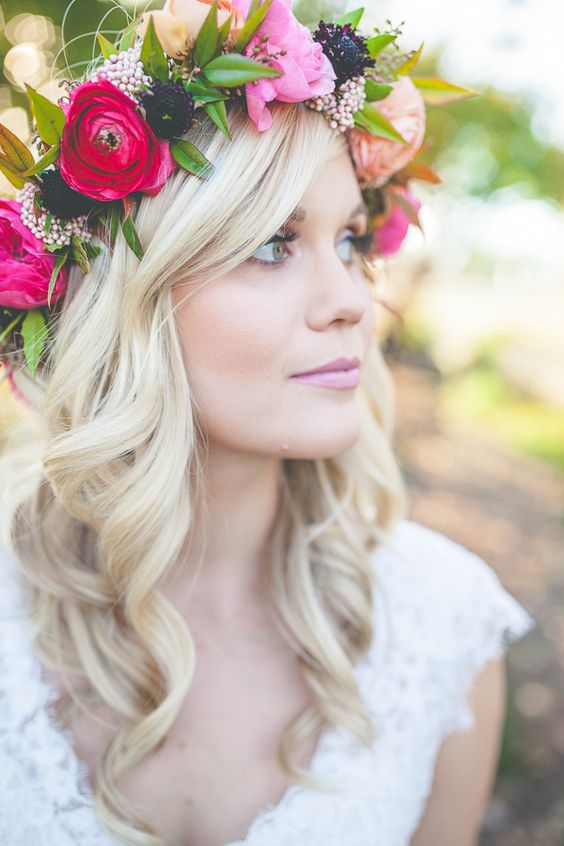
25, 265
108, 150
390, 236
307, 70
376, 158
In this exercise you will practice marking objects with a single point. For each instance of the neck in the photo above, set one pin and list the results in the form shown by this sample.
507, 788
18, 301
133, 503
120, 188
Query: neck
230, 537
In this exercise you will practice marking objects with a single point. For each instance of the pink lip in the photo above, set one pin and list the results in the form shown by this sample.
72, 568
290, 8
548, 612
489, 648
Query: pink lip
331, 378
339, 364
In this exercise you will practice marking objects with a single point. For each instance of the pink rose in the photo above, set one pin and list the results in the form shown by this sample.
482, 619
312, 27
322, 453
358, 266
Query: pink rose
390, 236
25, 265
307, 70
108, 150
376, 158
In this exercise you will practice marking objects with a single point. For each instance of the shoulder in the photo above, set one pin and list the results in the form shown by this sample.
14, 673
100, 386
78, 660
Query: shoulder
432, 572
448, 609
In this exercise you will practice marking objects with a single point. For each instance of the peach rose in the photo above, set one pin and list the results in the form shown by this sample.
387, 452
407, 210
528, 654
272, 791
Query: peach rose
180, 20
376, 158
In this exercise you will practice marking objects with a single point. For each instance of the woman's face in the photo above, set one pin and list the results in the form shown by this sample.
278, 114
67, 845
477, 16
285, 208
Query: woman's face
295, 306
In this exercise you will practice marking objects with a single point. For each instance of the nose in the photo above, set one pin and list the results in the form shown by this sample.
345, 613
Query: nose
340, 291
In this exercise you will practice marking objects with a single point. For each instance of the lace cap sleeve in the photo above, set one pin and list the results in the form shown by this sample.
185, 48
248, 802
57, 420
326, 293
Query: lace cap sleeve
470, 617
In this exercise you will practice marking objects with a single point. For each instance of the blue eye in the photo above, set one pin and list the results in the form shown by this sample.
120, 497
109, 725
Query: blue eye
273, 252
350, 252
358, 245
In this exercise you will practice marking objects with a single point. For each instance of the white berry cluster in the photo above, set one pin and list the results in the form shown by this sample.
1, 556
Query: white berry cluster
61, 231
125, 70
339, 107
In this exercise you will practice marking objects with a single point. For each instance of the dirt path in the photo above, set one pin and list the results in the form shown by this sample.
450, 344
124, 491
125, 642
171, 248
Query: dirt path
510, 511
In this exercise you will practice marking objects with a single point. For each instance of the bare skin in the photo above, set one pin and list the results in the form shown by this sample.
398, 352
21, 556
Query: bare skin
309, 305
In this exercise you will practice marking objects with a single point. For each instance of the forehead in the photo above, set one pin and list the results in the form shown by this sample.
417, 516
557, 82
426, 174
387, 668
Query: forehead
333, 194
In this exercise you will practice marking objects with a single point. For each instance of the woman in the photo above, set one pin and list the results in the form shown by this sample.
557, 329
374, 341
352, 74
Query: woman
218, 627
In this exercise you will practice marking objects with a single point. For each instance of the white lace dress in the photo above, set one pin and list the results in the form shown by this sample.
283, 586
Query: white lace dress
441, 613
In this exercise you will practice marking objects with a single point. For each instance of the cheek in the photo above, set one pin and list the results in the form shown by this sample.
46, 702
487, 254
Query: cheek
231, 339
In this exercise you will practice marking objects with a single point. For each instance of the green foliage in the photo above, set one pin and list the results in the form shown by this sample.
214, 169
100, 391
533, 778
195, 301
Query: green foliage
34, 331
380, 42
205, 48
232, 70
153, 55
251, 26
529, 426
377, 90
190, 158
375, 122
59, 262
131, 236
353, 18
499, 126
49, 117
218, 113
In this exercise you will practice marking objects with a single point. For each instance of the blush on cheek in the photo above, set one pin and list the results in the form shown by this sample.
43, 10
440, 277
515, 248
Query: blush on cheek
226, 332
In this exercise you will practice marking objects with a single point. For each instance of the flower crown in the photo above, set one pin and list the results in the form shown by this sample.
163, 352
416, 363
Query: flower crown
119, 134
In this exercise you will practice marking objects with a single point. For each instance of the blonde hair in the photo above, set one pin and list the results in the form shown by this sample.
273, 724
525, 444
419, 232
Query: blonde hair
107, 485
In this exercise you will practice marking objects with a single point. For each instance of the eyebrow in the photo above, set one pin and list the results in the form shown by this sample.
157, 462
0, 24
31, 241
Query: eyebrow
299, 214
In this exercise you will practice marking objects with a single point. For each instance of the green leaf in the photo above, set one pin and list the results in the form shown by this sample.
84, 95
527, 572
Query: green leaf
10, 326
410, 62
203, 91
16, 154
152, 54
48, 223
223, 32
251, 26
378, 43
437, 92
374, 122
353, 18
11, 175
128, 35
91, 250
232, 69
79, 254
377, 90
218, 113
113, 221
252, 8
132, 238
106, 47
205, 47
191, 159
44, 162
60, 261
49, 117
34, 334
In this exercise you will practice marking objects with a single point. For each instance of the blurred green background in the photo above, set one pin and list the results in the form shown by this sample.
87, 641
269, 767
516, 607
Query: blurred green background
478, 356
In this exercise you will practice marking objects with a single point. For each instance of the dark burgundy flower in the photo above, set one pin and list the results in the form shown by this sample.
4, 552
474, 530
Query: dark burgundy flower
345, 49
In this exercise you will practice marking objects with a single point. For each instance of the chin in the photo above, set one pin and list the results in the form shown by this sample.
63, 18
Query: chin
328, 441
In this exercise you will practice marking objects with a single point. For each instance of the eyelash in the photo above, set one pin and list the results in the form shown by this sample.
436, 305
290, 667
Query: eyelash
363, 244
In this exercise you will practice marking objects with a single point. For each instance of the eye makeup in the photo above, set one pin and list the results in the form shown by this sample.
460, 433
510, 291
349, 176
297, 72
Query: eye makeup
362, 244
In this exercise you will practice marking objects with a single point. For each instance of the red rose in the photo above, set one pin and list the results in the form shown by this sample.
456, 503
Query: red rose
108, 150
25, 265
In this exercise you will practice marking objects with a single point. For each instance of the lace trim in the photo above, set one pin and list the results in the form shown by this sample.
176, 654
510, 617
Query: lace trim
415, 680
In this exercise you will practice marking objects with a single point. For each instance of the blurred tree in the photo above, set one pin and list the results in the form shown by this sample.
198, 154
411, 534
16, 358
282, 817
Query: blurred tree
488, 144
